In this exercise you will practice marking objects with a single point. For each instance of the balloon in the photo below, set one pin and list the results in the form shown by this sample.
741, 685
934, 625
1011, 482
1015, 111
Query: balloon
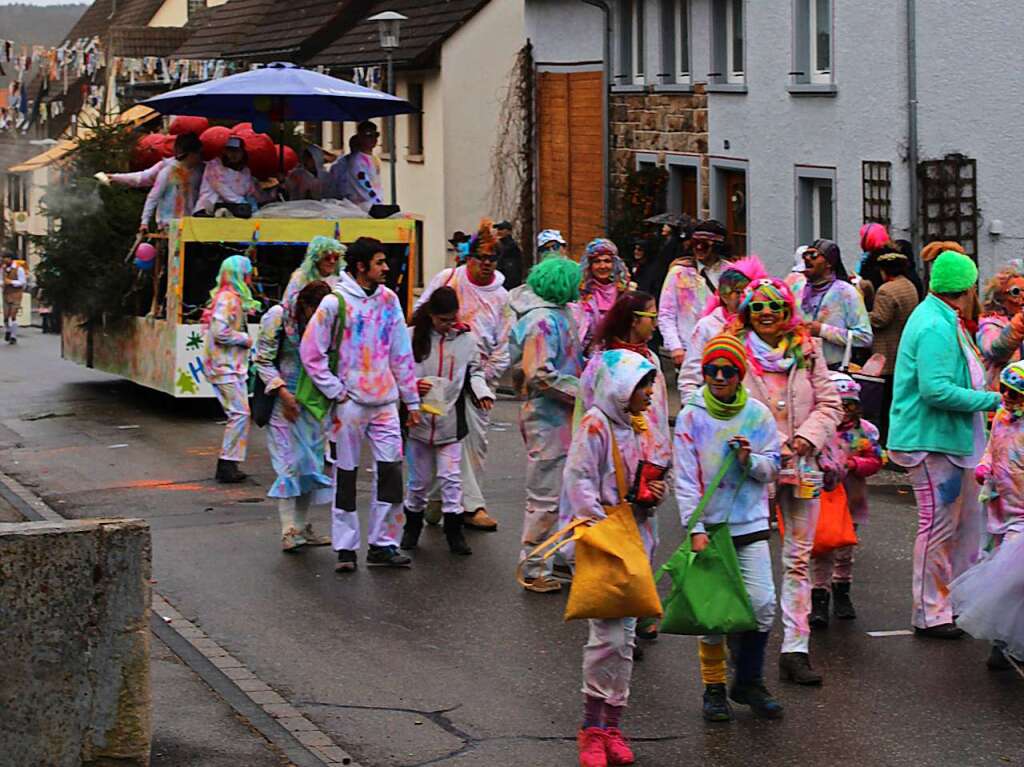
263, 160
187, 124
149, 150
145, 252
166, 146
143, 265
291, 158
214, 139
242, 129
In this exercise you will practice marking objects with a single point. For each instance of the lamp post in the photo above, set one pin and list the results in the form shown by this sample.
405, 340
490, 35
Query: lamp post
389, 25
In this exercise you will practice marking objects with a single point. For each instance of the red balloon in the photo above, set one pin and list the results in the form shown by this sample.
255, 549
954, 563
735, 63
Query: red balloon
263, 160
166, 146
291, 158
214, 140
186, 124
149, 150
243, 129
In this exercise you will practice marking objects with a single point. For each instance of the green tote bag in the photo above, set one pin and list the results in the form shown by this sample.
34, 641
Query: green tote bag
708, 595
306, 393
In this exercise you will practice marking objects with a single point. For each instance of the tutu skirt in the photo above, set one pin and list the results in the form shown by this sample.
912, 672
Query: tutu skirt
988, 599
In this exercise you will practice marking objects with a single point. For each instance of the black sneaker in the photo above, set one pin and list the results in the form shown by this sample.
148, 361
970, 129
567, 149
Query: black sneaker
942, 631
756, 695
386, 556
716, 704
346, 561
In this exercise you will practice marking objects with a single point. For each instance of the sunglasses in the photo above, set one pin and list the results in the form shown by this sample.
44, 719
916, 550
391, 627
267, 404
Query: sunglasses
728, 371
810, 255
1015, 291
650, 315
760, 306
488, 259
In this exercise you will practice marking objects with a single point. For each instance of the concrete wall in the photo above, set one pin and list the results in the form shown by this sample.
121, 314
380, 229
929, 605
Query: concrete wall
74, 628
173, 13
475, 63
564, 32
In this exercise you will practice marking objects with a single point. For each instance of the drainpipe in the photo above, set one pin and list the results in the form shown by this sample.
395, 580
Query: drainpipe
912, 138
605, 8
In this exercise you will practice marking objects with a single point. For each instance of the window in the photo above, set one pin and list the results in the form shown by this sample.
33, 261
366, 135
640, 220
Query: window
728, 44
414, 95
877, 192
684, 184
815, 210
949, 200
675, 24
17, 193
729, 203
812, 42
631, 42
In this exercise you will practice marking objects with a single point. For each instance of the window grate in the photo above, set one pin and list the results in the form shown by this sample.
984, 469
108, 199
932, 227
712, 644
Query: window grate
877, 192
949, 201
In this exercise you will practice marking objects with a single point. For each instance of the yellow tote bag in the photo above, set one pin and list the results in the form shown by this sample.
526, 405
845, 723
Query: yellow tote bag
612, 577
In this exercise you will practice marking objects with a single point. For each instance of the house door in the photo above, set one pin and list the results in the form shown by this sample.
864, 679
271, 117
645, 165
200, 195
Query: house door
570, 194
735, 185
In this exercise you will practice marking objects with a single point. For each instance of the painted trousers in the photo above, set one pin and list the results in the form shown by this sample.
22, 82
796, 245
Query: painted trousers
801, 520
430, 464
473, 461
379, 426
608, 660
233, 397
835, 566
949, 527
755, 561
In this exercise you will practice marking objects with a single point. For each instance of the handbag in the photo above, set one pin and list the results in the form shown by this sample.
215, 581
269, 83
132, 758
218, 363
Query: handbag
306, 392
835, 523
872, 388
262, 400
612, 577
708, 595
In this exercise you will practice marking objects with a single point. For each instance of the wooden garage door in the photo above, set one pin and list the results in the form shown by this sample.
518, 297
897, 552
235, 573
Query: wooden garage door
571, 156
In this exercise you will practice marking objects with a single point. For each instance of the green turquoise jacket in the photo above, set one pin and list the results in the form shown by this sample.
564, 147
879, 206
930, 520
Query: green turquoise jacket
933, 401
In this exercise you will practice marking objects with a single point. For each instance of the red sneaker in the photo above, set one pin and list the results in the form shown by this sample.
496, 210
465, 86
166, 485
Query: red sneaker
592, 744
617, 748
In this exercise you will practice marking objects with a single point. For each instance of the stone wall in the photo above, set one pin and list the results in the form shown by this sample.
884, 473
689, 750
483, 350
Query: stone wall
658, 123
74, 633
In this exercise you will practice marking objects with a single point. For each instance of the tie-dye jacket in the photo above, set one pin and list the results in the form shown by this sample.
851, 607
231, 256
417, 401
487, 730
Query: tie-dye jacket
1000, 340
375, 362
222, 184
1003, 465
702, 444
544, 346
588, 480
857, 444
227, 340
683, 298
485, 309
841, 311
173, 194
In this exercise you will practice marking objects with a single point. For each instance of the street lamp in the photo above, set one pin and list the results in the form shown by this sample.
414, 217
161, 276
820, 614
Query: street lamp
389, 25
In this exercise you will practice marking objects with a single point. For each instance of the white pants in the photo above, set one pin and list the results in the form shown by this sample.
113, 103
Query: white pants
427, 462
379, 425
608, 660
472, 463
801, 520
755, 560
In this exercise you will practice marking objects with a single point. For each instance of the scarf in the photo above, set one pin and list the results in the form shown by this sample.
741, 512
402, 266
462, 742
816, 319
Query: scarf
604, 294
771, 359
814, 296
724, 411
642, 349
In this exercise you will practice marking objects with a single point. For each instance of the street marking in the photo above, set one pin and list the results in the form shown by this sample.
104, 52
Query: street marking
129, 426
115, 447
895, 633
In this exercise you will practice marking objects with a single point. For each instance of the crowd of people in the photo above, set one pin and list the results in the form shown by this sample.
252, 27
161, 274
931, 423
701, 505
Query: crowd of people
773, 421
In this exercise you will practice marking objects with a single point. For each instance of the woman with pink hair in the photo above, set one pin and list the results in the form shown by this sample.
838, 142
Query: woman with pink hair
721, 307
788, 374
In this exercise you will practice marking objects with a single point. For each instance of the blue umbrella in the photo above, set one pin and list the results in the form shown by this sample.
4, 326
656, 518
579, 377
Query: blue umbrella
280, 92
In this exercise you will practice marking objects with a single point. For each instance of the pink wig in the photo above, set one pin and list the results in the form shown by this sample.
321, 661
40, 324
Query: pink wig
873, 237
750, 267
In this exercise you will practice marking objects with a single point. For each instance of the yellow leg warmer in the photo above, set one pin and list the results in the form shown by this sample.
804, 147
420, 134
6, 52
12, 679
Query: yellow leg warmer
712, 663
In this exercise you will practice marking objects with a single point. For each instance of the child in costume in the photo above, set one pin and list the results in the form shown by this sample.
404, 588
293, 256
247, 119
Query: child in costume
546, 350
856, 452
720, 418
227, 359
987, 597
446, 353
622, 391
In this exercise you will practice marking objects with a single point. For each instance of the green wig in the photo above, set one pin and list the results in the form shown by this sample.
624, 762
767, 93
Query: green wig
318, 247
556, 280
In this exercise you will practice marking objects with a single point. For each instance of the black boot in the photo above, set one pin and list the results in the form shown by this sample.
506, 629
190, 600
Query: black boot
716, 706
997, 660
453, 532
412, 530
819, 609
228, 473
796, 667
842, 605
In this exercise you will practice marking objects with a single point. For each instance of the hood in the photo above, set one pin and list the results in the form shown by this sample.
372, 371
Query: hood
997, 320
618, 372
354, 291
831, 252
522, 300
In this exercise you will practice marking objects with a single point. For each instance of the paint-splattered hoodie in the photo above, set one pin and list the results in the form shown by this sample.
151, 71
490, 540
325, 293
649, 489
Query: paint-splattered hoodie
702, 444
1000, 340
683, 297
173, 194
227, 340
485, 309
588, 480
375, 363
1003, 464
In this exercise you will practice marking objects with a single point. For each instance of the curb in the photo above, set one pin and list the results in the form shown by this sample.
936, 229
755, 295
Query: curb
280, 723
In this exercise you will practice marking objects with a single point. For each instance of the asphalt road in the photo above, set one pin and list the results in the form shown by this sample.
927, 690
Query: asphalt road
449, 663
